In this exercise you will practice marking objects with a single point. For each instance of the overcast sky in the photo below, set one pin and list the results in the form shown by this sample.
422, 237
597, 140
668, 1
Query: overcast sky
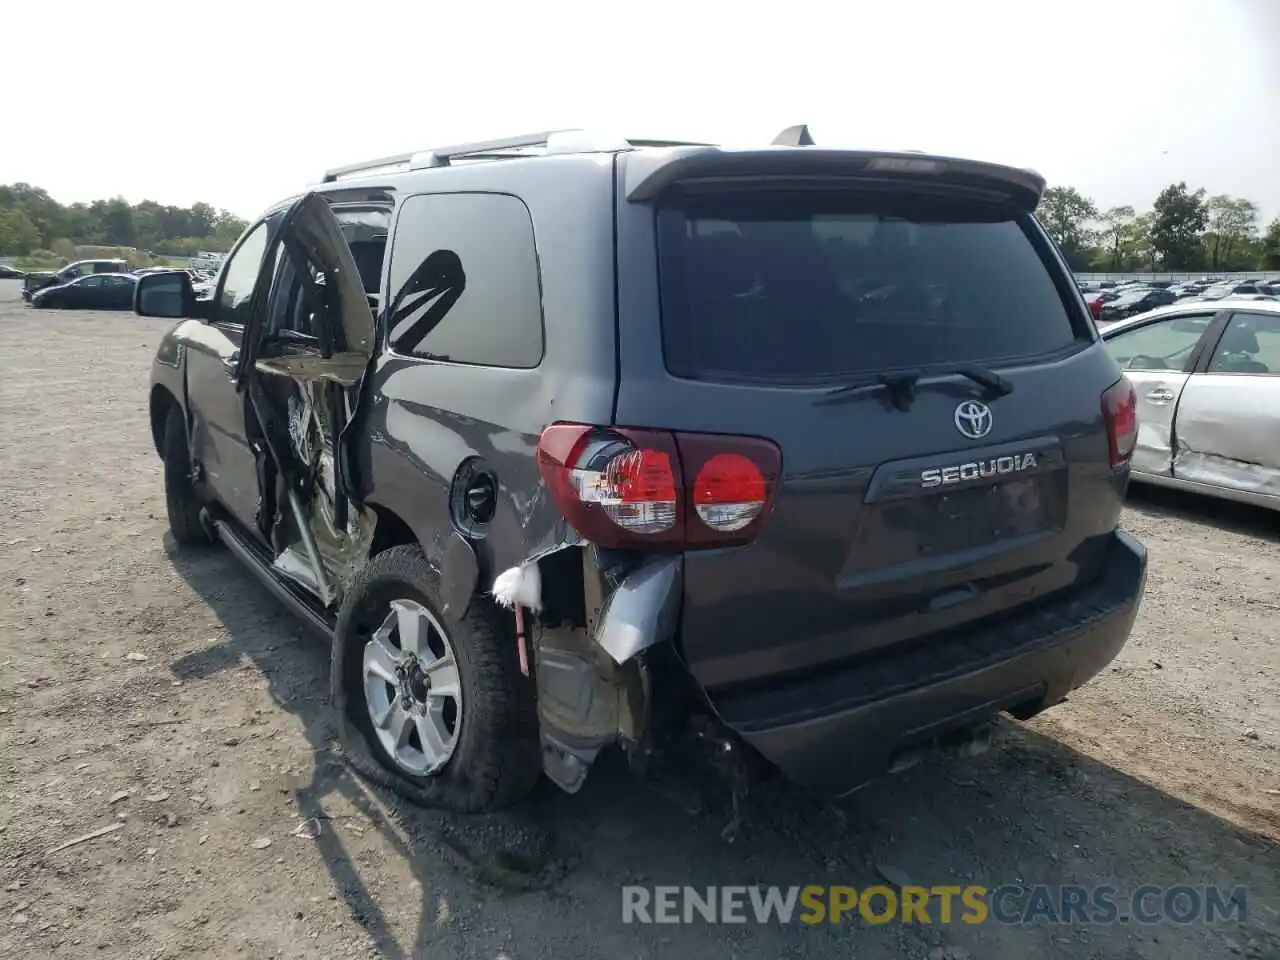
240, 104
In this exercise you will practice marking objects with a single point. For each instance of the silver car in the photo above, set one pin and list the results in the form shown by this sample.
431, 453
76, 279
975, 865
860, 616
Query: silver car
1207, 376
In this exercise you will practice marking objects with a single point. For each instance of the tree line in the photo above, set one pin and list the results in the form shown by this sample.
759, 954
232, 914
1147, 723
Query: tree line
37, 227
1185, 230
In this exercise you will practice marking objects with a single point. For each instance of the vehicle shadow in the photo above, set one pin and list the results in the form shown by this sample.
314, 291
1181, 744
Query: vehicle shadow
1242, 518
549, 875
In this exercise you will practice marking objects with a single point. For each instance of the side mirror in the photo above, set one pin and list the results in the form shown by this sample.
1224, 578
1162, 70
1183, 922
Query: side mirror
168, 295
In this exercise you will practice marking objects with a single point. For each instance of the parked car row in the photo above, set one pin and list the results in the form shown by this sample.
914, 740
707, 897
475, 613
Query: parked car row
95, 291
96, 285
1110, 301
39, 280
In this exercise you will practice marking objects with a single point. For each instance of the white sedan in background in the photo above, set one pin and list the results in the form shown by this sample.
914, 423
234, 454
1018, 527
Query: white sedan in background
1207, 376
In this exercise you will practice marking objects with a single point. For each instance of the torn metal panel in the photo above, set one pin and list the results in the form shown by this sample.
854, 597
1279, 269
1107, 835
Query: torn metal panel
344, 369
297, 568
585, 703
642, 610
597, 618
334, 546
545, 530
564, 543
566, 767
573, 696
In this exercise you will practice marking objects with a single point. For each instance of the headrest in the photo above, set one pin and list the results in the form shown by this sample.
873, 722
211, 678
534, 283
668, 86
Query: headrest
1237, 339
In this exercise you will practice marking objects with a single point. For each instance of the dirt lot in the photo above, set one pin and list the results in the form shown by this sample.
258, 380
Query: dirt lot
169, 697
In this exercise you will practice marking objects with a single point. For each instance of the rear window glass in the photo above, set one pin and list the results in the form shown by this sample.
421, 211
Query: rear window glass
815, 286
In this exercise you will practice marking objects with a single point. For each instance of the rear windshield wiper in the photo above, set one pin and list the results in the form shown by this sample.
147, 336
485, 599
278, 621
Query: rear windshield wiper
901, 384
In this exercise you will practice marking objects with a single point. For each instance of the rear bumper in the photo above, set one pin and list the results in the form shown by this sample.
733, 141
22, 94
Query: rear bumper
832, 733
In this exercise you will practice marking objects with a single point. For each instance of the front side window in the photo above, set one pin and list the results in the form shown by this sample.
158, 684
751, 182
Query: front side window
800, 286
464, 281
1166, 344
94, 282
1249, 344
240, 276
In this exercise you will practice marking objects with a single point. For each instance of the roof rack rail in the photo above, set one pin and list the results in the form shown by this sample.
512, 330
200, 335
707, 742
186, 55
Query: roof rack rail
440, 156
552, 141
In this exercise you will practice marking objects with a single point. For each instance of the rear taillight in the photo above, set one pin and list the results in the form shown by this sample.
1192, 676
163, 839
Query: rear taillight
629, 488
1120, 412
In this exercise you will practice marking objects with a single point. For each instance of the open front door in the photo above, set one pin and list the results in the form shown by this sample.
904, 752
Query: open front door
326, 283
302, 364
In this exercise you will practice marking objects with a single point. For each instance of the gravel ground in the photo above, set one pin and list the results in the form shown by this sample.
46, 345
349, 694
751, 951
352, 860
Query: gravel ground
172, 699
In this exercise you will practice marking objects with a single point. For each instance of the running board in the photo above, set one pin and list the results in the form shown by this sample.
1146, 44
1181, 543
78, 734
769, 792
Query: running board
253, 558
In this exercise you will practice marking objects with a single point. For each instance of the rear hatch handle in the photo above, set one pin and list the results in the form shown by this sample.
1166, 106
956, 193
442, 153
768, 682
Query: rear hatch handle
901, 384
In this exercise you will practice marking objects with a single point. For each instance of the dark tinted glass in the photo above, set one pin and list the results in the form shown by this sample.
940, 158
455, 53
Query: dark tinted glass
464, 281
803, 286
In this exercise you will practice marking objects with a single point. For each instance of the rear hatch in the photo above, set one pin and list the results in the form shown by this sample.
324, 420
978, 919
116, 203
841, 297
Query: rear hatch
829, 317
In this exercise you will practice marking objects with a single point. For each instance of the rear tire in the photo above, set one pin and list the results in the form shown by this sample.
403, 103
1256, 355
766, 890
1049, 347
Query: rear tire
495, 759
181, 501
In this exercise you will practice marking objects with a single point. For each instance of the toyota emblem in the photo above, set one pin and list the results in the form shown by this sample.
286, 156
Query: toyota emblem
973, 419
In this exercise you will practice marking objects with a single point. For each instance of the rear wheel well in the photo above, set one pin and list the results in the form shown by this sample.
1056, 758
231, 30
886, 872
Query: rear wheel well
390, 532
162, 401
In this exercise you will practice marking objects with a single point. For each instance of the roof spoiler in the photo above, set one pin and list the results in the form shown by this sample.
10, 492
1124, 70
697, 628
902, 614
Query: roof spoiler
793, 156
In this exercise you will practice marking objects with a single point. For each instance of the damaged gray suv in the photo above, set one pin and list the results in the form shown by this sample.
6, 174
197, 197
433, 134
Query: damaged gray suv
569, 443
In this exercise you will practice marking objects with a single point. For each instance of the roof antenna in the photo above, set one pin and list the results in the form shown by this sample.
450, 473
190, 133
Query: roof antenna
797, 136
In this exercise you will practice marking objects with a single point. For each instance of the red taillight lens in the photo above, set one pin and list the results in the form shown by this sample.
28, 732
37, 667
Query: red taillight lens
623, 488
614, 485
733, 483
1120, 412
729, 492
637, 490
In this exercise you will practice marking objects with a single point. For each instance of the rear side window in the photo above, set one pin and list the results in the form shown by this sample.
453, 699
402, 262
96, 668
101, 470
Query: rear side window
814, 286
1167, 344
464, 281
